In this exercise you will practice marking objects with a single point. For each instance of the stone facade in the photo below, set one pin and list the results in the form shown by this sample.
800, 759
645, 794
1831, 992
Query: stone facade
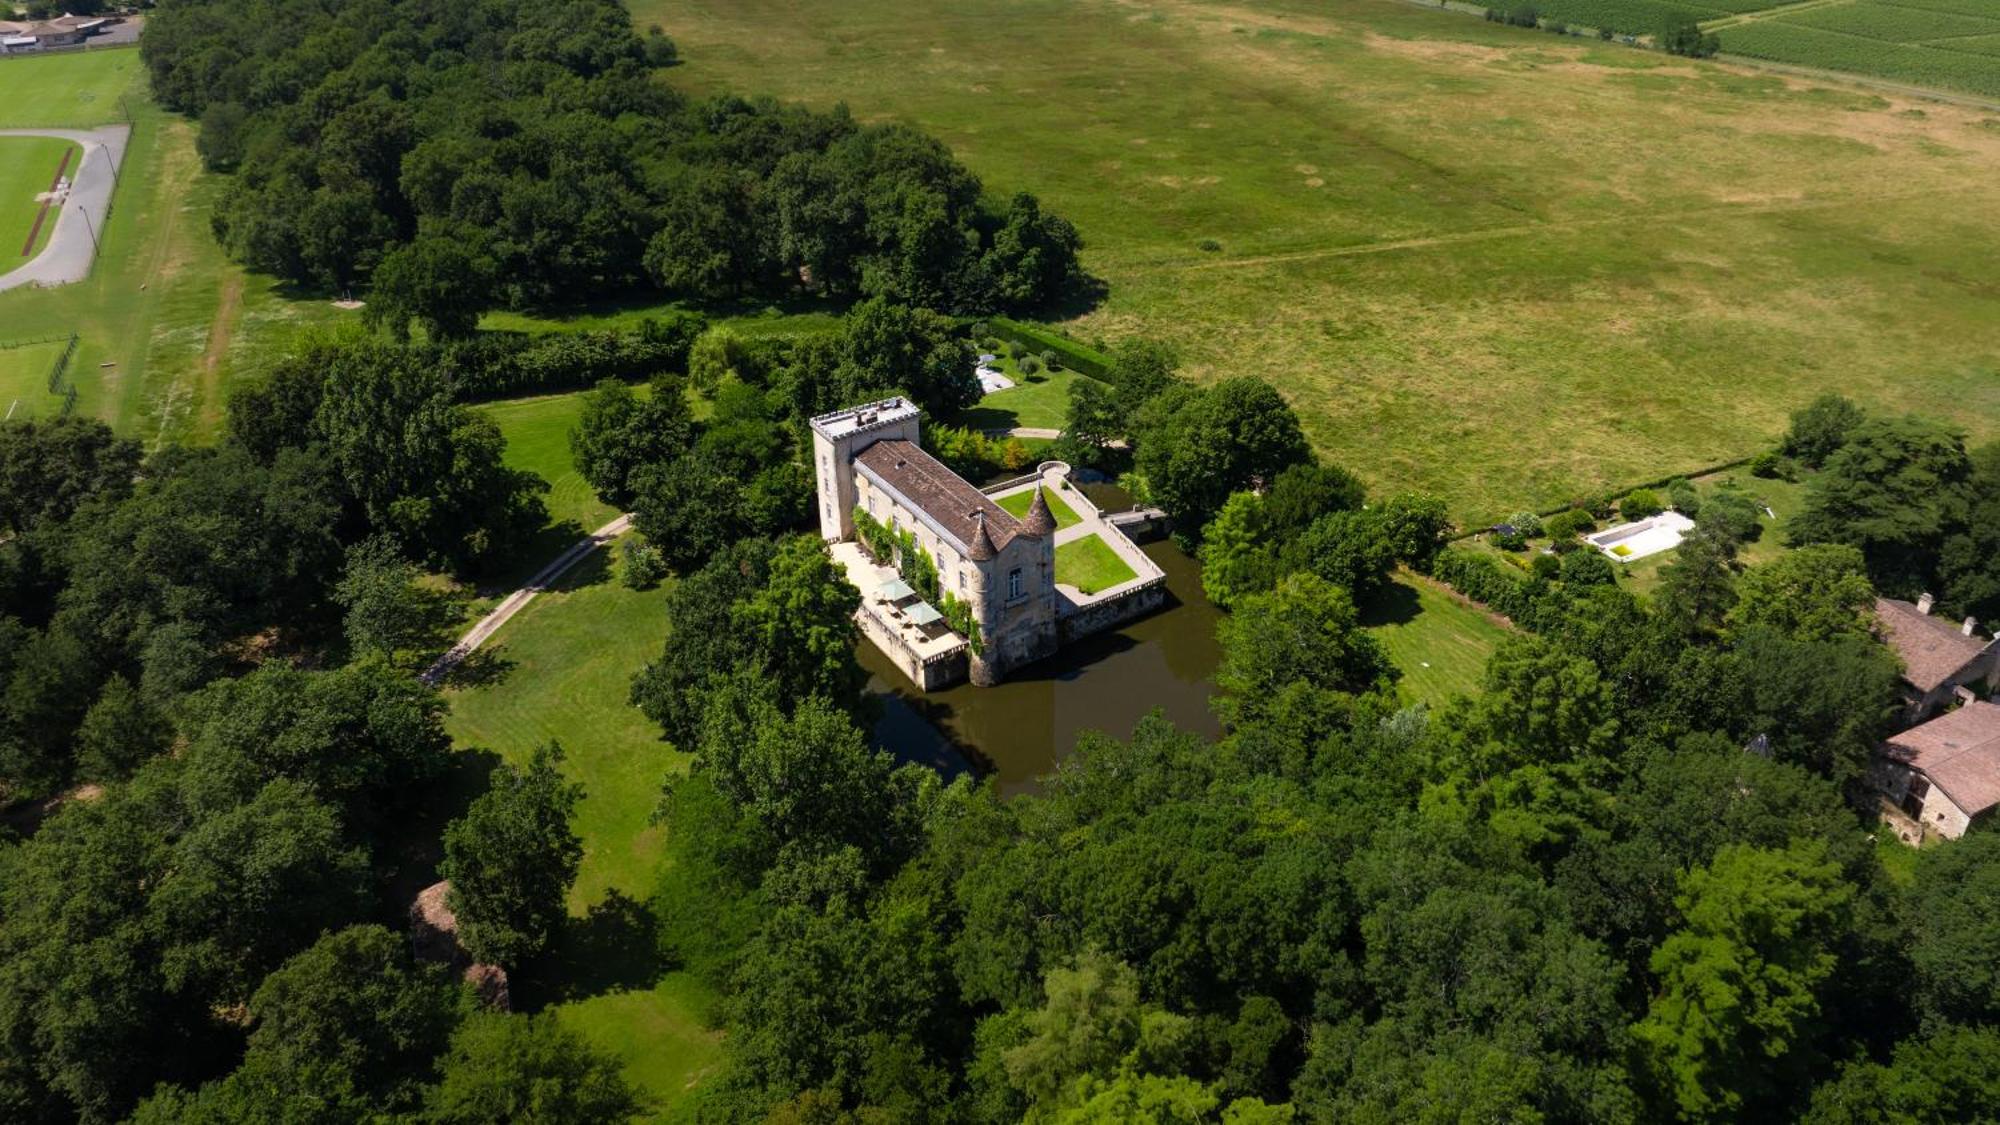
867, 458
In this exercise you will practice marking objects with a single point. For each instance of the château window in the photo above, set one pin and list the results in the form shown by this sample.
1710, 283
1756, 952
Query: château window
1014, 583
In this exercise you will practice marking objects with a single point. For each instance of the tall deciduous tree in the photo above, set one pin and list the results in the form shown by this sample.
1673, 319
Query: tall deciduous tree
618, 433
529, 1069
1894, 491
511, 859
1198, 446
1736, 1013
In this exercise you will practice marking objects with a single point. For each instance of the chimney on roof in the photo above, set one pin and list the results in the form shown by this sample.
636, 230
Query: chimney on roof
1971, 626
1924, 603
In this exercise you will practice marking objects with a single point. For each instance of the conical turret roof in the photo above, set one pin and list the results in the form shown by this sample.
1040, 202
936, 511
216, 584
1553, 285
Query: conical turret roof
1039, 520
981, 548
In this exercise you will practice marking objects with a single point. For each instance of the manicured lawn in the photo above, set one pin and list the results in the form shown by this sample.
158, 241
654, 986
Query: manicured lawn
24, 386
1019, 503
1033, 402
68, 90
27, 168
561, 670
537, 432
1439, 643
1090, 565
1480, 261
659, 1033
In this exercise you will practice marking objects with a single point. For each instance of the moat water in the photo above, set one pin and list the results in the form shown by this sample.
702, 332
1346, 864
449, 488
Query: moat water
1020, 729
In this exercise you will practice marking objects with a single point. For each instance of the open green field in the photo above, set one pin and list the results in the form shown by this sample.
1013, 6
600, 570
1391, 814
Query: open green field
1502, 266
24, 380
1090, 565
1434, 638
1038, 401
560, 670
27, 168
1019, 503
67, 90
168, 323
537, 432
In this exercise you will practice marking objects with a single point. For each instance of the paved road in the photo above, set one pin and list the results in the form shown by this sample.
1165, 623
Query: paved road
70, 249
518, 600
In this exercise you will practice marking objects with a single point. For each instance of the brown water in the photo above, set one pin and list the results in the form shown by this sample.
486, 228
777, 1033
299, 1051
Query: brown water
1019, 729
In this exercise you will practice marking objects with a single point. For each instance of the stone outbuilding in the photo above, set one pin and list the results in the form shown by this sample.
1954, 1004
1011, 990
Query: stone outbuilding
1944, 775
1939, 657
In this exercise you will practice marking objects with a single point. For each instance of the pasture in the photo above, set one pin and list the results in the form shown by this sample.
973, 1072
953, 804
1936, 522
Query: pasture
1487, 262
67, 90
27, 169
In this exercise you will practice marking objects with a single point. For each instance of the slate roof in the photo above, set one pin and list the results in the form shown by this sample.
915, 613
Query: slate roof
1933, 649
1040, 522
939, 493
1959, 752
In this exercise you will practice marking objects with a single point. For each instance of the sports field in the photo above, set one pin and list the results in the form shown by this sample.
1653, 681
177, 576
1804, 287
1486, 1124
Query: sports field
1484, 261
66, 90
28, 167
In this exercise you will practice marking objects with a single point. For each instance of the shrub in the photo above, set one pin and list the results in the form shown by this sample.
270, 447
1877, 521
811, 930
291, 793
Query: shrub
1769, 465
1640, 503
1051, 361
1510, 540
1564, 527
1587, 568
1208, 246
644, 564
1604, 33
1029, 364
1527, 523
1546, 568
1682, 494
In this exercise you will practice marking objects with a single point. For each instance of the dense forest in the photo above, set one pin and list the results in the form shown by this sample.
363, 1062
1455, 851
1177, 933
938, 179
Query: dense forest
454, 157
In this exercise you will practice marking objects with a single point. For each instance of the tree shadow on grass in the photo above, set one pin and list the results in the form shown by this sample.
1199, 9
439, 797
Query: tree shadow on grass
482, 667
415, 836
1397, 604
612, 948
524, 563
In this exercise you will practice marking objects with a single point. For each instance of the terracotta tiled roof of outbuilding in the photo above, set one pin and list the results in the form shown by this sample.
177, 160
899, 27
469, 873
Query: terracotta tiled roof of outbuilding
1933, 649
1959, 752
939, 493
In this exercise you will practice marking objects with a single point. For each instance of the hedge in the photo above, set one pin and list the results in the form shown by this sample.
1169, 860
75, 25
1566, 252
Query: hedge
1075, 356
508, 365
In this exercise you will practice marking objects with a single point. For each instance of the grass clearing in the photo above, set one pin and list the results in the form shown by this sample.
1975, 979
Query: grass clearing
561, 670
537, 432
27, 169
1475, 260
1018, 504
1438, 641
67, 90
1034, 401
1090, 565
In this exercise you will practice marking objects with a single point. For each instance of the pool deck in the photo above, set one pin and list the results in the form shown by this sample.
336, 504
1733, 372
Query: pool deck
1641, 538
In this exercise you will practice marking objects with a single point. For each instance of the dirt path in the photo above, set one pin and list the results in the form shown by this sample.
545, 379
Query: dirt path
228, 314
515, 602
